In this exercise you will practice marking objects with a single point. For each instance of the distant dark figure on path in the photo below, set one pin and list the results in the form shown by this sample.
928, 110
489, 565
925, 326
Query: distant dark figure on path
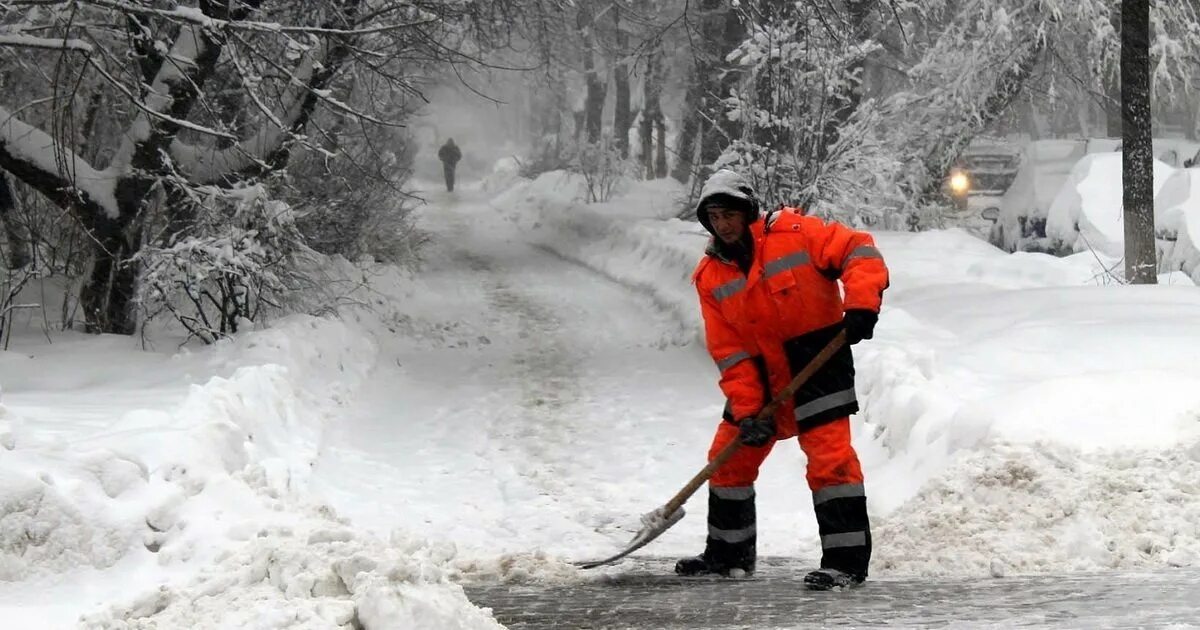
449, 154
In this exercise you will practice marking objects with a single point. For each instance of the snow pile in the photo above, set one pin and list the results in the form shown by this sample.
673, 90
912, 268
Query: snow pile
88, 495
322, 575
55, 521
1049, 508
504, 174
202, 509
1087, 212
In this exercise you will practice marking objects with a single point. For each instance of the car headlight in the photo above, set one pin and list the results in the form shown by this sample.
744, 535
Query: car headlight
959, 182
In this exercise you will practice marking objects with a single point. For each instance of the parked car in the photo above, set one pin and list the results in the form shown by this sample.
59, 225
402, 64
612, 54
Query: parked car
1045, 167
978, 181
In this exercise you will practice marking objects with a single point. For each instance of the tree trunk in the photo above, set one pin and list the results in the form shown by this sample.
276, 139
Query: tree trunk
721, 130
1137, 157
18, 244
685, 147
596, 89
660, 157
646, 144
651, 109
720, 33
622, 119
108, 296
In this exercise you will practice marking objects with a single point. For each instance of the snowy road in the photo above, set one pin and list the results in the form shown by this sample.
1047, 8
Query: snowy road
543, 404
649, 597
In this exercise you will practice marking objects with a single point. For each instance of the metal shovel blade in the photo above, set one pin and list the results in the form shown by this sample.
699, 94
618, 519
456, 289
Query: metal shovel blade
653, 525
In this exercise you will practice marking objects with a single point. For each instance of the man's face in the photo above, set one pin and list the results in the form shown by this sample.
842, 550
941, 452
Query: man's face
728, 224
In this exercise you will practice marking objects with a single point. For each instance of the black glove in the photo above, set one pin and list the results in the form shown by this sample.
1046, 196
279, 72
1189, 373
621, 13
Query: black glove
755, 432
860, 324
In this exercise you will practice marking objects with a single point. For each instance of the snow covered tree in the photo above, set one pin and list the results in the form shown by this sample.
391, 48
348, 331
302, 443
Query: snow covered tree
957, 68
199, 97
802, 81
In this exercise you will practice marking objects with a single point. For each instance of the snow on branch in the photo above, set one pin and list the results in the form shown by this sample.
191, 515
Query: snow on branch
195, 16
20, 40
35, 157
211, 165
183, 60
158, 115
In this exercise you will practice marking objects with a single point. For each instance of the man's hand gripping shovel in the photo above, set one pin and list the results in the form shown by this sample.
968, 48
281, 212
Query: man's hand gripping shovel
660, 520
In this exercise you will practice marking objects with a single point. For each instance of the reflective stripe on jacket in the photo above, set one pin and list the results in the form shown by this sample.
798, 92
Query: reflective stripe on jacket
780, 314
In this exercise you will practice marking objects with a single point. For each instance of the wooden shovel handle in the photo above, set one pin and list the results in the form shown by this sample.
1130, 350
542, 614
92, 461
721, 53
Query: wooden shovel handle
798, 381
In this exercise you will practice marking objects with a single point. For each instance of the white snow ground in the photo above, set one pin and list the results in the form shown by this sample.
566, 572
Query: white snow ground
536, 387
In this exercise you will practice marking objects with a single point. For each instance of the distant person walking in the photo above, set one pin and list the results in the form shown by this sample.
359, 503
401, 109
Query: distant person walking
449, 154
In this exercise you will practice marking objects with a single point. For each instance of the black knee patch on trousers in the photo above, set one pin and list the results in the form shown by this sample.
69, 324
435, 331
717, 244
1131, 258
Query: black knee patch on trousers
845, 535
733, 544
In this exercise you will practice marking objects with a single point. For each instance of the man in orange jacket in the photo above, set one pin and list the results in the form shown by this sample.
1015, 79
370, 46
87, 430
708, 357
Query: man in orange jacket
770, 301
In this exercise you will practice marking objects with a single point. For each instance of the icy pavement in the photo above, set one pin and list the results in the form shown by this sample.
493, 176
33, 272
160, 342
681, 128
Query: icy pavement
650, 596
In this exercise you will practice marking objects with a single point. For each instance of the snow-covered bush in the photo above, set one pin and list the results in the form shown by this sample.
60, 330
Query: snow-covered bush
232, 267
602, 169
351, 205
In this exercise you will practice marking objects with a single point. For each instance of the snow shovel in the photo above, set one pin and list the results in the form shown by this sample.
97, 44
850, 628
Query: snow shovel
660, 520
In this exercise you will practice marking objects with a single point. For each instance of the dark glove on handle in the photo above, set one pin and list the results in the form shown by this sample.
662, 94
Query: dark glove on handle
755, 432
860, 324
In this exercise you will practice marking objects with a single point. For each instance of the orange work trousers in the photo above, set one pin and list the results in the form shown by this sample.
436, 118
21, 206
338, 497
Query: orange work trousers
832, 461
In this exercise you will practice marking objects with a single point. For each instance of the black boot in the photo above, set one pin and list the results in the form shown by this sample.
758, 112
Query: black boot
696, 565
709, 564
828, 579
731, 545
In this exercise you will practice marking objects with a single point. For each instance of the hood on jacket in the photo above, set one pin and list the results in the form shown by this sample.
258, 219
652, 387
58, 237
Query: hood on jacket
727, 189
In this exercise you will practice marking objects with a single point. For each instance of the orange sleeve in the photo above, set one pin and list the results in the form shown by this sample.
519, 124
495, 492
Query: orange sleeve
740, 379
854, 256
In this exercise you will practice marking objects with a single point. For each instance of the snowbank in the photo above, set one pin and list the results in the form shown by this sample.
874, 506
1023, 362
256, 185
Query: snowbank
1010, 404
323, 577
633, 239
88, 493
194, 497
1048, 508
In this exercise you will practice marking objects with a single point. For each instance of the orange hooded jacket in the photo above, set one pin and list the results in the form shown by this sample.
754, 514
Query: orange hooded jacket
763, 327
